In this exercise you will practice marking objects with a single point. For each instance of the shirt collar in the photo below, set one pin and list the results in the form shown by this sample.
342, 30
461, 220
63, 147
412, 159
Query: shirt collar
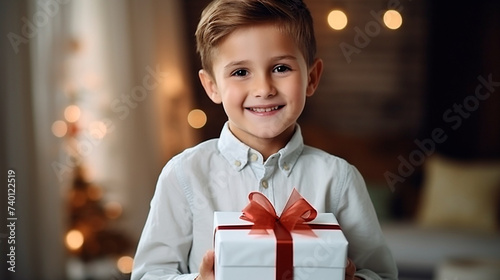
238, 154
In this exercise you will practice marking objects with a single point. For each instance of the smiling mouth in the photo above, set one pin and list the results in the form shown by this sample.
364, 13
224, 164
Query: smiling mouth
264, 110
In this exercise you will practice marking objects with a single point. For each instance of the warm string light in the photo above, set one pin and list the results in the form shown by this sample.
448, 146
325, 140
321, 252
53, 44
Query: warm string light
125, 264
197, 118
337, 19
59, 128
74, 239
393, 19
72, 113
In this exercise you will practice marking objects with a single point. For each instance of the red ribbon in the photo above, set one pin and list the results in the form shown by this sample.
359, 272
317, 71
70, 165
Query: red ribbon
297, 211
261, 212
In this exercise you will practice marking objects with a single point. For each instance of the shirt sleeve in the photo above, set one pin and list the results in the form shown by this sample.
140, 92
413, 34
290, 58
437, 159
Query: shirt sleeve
367, 246
166, 240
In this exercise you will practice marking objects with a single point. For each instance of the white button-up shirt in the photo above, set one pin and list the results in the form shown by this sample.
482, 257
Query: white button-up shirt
218, 175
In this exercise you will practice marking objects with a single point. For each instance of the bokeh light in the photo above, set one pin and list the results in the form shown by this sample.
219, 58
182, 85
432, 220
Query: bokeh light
72, 113
59, 128
197, 118
125, 264
337, 19
74, 239
393, 19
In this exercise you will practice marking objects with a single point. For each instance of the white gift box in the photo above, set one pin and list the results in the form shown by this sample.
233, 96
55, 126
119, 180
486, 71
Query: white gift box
242, 255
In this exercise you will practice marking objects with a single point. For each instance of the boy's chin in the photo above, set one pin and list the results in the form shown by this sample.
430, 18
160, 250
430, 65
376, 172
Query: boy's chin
274, 133
264, 130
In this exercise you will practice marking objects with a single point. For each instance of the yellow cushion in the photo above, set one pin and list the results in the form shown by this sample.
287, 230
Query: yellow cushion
460, 195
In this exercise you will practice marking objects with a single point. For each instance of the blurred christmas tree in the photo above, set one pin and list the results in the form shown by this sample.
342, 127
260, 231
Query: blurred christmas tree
89, 222
97, 246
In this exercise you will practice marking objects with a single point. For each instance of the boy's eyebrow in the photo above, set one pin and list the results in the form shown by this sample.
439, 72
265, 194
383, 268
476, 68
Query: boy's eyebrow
235, 63
244, 62
284, 57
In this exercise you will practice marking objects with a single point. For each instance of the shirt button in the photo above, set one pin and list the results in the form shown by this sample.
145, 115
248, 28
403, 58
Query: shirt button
286, 167
237, 163
264, 184
254, 157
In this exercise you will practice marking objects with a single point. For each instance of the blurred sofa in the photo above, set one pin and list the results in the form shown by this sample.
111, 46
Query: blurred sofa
455, 231
420, 252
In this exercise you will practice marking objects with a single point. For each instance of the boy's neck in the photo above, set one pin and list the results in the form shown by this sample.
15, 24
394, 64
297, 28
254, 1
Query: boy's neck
269, 146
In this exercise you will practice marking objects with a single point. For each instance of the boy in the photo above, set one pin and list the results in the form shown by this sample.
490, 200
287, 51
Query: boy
258, 59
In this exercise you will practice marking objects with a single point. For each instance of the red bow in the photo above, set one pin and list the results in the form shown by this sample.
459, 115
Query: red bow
262, 214
297, 211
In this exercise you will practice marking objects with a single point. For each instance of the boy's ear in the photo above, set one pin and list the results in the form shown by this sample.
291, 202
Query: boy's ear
314, 76
210, 86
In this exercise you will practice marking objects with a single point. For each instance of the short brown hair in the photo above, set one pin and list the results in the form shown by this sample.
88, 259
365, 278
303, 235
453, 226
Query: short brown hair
221, 17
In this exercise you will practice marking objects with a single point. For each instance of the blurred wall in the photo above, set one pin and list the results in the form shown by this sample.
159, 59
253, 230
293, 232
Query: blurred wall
464, 78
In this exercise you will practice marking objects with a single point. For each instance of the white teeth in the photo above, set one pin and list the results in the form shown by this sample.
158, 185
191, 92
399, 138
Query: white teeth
264, 110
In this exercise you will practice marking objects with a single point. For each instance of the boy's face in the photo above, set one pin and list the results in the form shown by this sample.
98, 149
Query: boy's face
262, 80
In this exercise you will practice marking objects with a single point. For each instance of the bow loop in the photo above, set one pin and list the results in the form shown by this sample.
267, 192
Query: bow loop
261, 212
259, 215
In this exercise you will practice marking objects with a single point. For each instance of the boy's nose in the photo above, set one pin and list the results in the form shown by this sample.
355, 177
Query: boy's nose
263, 87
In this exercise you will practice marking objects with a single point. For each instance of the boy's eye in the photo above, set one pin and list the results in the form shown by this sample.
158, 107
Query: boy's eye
281, 68
240, 72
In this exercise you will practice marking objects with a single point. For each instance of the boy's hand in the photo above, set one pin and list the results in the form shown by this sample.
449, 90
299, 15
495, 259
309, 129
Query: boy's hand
350, 269
207, 266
